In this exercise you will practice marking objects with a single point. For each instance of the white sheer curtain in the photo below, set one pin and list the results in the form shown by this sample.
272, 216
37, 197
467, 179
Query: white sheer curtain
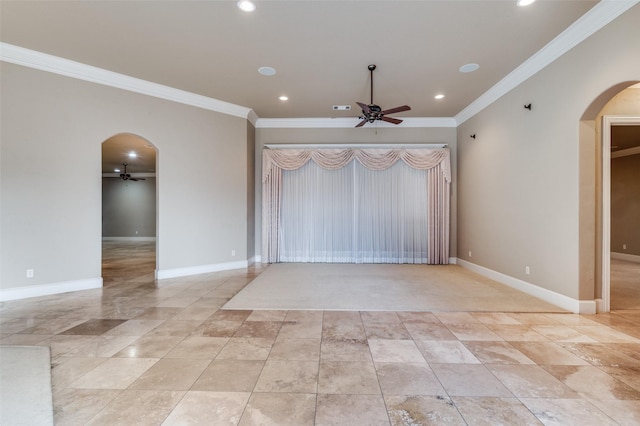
316, 217
381, 186
354, 215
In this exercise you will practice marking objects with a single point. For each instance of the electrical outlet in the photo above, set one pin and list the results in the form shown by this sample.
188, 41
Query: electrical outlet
527, 271
233, 252
624, 247
469, 253
29, 273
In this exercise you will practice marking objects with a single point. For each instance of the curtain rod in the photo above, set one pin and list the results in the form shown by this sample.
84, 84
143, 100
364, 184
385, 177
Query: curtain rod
364, 146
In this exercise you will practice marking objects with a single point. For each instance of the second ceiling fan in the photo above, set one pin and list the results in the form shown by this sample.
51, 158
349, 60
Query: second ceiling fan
373, 112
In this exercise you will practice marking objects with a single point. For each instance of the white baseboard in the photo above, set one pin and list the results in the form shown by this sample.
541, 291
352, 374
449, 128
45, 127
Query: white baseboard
201, 269
560, 300
128, 238
25, 292
625, 256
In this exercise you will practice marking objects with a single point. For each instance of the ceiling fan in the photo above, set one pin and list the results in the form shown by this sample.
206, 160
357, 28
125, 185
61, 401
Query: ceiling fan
373, 112
127, 176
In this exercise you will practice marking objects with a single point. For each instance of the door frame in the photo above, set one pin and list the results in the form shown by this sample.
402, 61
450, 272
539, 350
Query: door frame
607, 122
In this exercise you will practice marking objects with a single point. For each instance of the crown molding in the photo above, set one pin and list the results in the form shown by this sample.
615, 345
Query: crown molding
626, 152
49, 63
349, 122
253, 117
592, 21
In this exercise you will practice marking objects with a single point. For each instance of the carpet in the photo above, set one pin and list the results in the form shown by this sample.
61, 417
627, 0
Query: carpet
381, 287
25, 386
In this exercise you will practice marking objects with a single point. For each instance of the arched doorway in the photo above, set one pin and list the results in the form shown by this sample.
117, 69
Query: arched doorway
129, 209
617, 106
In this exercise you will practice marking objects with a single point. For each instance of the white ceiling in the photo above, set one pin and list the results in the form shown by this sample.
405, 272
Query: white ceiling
320, 49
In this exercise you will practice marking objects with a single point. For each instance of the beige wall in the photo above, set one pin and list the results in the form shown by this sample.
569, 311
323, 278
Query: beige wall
128, 208
363, 135
625, 205
251, 189
50, 170
523, 182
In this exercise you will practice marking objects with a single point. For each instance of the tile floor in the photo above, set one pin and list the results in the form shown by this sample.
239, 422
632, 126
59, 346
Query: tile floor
138, 352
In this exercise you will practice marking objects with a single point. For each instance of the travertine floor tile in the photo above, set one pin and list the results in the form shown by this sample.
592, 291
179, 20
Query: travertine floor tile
429, 331
343, 377
446, 352
473, 332
114, 373
301, 329
395, 351
288, 376
208, 408
280, 409
563, 333
149, 347
295, 349
601, 354
259, 329
217, 328
94, 327
422, 410
386, 331
102, 346
624, 412
593, 383
497, 353
198, 347
267, 315
351, 410
469, 380
517, 333
357, 350
243, 348
171, 374
141, 407
408, 379
531, 381
229, 375
67, 370
488, 411
548, 353
78, 406
562, 412
135, 327
319, 367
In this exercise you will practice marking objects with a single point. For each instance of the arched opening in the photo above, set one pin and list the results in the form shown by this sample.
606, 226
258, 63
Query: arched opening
617, 106
129, 209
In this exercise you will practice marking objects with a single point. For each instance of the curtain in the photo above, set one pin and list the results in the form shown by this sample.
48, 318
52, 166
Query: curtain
435, 162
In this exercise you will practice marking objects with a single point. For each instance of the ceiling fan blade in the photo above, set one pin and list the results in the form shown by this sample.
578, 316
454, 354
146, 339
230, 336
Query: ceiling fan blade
362, 123
391, 120
397, 109
365, 108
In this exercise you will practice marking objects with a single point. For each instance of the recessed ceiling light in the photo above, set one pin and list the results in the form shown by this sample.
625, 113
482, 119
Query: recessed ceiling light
132, 154
439, 96
469, 67
116, 170
246, 5
524, 2
268, 71
284, 98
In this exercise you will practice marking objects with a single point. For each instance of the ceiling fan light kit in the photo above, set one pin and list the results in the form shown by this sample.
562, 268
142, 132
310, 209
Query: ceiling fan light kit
373, 112
127, 176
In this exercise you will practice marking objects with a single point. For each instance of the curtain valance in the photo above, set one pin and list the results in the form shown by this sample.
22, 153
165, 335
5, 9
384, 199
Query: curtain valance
371, 158
435, 161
